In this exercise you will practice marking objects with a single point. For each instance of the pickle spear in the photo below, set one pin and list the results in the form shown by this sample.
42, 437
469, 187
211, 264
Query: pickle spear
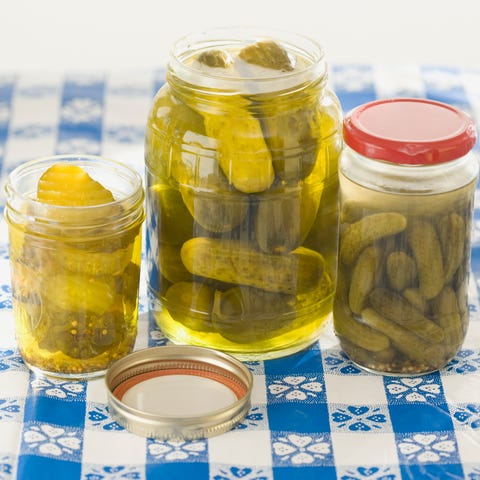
242, 153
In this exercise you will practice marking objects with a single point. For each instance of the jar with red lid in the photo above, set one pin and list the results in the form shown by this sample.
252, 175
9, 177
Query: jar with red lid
407, 181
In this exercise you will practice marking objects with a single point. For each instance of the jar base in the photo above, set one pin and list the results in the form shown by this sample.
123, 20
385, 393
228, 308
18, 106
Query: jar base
285, 344
66, 376
394, 374
255, 356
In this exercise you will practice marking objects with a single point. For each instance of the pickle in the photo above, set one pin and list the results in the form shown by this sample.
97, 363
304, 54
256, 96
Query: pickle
426, 249
242, 152
284, 219
394, 307
84, 337
69, 185
414, 296
79, 293
292, 140
94, 262
452, 231
174, 221
401, 270
246, 314
217, 212
364, 275
405, 341
191, 303
170, 264
232, 262
360, 234
267, 54
215, 58
366, 357
446, 313
205, 191
356, 332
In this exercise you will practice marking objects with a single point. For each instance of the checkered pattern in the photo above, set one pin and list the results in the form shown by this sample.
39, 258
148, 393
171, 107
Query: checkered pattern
314, 415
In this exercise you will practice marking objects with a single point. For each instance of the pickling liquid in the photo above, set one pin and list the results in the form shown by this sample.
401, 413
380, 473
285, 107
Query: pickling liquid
75, 304
242, 207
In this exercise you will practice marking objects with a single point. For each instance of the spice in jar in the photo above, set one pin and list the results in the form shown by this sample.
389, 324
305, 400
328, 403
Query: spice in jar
407, 179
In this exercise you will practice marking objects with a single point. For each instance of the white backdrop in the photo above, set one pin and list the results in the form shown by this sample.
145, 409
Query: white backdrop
134, 34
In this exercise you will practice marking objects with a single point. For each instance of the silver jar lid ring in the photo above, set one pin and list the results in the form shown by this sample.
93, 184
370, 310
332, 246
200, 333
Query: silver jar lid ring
178, 392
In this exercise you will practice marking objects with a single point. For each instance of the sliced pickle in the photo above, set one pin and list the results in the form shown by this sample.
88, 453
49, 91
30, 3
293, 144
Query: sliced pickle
69, 185
77, 292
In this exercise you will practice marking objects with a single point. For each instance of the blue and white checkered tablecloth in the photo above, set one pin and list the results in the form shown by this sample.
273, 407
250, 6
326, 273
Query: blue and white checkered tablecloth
314, 415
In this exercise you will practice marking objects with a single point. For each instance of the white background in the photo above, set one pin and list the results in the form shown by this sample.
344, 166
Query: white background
136, 34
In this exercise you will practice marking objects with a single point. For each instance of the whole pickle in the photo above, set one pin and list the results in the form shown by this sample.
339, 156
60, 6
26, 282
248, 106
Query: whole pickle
360, 234
191, 303
452, 231
431, 356
174, 221
267, 54
170, 264
394, 307
217, 212
292, 139
446, 313
284, 218
232, 262
426, 249
323, 234
242, 152
414, 296
246, 314
375, 360
198, 186
359, 334
401, 270
363, 278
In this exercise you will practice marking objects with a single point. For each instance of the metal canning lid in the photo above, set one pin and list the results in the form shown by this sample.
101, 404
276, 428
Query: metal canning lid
178, 392
409, 131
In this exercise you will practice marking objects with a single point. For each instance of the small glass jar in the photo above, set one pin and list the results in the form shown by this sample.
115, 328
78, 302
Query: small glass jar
407, 181
242, 147
74, 269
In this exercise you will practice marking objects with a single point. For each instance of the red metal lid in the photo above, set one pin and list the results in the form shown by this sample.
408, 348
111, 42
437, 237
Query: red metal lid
409, 131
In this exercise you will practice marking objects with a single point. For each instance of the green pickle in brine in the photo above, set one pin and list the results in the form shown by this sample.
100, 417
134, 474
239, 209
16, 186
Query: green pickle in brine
251, 270
76, 300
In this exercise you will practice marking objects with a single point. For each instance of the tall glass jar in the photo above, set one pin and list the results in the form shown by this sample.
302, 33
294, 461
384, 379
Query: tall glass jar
242, 145
407, 180
75, 244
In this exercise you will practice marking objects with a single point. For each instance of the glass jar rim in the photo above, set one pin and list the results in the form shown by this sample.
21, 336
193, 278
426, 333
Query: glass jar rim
121, 207
184, 48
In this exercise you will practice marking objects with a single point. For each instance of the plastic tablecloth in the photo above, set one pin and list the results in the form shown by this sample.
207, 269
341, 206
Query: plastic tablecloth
314, 414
